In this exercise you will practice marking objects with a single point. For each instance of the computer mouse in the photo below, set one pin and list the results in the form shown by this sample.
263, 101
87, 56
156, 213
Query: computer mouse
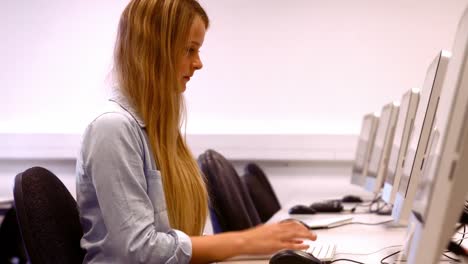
296, 220
332, 206
351, 199
301, 209
293, 257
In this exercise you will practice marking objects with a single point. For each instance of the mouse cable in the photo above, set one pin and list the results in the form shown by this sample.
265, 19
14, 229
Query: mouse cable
356, 254
361, 223
376, 198
367, 254
456, 246
382, 261
450, 259
365, 204
457, 249
379, 206
463, 237
353, 209
453, 247
391, 255
453, 259
386, 208
457, 229
376, 201
349, 260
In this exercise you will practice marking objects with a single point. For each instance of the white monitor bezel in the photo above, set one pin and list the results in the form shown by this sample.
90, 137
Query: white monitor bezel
434, 224
403, 203
406, 116
374, 184
358, 177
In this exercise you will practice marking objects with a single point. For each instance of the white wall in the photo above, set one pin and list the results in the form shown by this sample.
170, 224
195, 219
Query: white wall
292, 181
271, 67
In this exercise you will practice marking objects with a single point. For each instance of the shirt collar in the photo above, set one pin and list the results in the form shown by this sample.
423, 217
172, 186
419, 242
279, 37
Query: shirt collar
124, 103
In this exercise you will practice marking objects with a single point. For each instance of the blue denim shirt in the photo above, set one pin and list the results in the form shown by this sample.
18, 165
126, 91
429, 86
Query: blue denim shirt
120, 194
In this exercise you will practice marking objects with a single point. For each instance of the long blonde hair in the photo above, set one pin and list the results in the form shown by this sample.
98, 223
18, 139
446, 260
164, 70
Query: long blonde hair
152, 37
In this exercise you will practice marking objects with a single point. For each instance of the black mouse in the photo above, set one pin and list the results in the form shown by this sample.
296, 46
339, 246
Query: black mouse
301, 209
351, 199
293, 257
296, 220
332, 206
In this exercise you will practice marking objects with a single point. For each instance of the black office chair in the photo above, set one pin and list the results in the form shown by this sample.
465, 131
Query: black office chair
11, 244
48, 218
263, 195
231, 207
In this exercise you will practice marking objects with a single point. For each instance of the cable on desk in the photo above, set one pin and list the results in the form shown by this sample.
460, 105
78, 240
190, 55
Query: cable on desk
377, 197
459, 241
361, 223
377, 200
391, 255
353, 209
357, 254
371, 210
349, 260
379, 206
441, 260
369, 204
457, 249
463, 237
454, 259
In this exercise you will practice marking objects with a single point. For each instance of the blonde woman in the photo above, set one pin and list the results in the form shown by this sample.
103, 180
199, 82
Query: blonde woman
140, 193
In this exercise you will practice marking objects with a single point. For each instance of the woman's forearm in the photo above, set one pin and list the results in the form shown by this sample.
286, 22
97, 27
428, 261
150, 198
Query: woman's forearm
207, 249
262, 239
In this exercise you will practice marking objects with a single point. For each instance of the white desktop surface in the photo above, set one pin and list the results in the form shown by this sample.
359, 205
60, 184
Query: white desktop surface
353, 239
363, 243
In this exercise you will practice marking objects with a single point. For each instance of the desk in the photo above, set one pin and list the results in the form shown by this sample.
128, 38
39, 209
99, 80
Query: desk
363, 243
352, 239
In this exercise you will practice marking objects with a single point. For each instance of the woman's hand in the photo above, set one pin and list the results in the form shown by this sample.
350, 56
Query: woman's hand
269, 238
262, 239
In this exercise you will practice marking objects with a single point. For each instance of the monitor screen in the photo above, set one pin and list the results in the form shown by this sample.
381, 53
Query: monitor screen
442, 189
362, 148
426, 183
420, 138
377, 150
396, 144
419, 120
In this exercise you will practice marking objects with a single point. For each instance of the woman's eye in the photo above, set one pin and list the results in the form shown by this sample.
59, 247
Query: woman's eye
190, 51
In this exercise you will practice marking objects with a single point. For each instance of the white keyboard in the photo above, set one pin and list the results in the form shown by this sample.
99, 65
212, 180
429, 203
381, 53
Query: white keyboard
323, 251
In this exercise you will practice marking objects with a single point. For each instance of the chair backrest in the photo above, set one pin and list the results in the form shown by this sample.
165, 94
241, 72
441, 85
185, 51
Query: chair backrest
231, 207
11, 245
48, 218
263, 195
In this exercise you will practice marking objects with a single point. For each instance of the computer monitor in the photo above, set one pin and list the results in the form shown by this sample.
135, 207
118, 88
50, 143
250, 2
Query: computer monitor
419, 139
364, 147
379, 156
441, 193
404, 127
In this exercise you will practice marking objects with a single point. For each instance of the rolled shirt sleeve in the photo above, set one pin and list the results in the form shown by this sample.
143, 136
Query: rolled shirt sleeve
119, 218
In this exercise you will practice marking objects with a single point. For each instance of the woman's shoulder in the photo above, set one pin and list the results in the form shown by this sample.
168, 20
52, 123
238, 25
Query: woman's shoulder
112, 121
112, 130
112, 117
